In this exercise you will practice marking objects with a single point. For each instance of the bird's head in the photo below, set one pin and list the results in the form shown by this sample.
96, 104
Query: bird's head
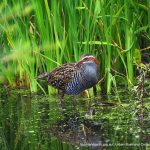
87, 58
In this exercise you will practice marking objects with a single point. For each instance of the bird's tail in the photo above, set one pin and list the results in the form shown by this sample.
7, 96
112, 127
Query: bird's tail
43, 75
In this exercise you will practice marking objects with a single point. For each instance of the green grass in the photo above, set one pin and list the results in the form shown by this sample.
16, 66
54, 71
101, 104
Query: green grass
37, 36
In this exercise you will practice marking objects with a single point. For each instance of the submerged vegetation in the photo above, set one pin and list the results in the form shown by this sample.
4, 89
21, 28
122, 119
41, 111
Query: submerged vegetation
36, 36
29, 121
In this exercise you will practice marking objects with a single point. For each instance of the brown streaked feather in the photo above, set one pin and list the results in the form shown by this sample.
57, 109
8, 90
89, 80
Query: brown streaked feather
61, 76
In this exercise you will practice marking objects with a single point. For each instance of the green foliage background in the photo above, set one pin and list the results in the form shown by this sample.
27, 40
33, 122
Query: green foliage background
37, 36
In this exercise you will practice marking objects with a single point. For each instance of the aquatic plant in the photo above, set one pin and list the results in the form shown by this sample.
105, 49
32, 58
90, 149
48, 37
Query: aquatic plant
37, 36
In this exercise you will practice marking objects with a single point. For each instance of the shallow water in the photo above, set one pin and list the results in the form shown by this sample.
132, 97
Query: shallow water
30, 121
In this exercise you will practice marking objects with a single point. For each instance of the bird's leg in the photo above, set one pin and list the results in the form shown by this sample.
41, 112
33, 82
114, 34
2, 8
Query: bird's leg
61, 98
74, 101
94, 90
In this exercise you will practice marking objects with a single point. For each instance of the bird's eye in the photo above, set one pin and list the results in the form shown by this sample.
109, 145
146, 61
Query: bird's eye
85, 59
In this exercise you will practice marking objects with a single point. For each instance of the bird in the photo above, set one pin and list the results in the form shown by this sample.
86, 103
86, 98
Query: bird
73, 78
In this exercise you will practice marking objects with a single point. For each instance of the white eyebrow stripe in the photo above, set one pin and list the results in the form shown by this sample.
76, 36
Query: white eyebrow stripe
88, 57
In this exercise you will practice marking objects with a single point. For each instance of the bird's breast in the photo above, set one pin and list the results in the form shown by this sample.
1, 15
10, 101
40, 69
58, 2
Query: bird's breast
91, 74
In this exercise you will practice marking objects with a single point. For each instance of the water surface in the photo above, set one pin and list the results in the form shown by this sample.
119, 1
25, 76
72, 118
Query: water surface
30, 121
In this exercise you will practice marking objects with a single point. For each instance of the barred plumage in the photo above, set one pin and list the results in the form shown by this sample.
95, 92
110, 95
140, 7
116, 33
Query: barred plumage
76, 85
73, 78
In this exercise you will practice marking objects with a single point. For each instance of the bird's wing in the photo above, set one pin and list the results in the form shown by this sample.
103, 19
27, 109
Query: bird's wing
61, 76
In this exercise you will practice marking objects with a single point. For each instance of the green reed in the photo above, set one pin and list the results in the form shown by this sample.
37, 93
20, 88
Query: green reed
37, 36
